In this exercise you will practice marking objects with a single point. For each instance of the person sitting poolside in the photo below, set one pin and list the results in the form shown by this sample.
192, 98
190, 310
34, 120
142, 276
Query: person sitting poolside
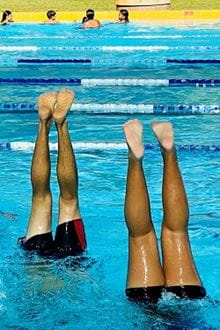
91, 22
70, 236
147, 279
51, 15
6, 18
123, 16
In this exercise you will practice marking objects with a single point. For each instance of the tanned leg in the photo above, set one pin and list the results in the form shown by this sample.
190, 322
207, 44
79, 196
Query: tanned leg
40, 217
66, 167
179, 267
144, 269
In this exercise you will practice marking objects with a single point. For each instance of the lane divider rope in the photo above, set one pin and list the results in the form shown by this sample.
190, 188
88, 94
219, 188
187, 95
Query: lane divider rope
114, 82
116, 61
97, 62
122, 108
108, 36
29, 146
106, 48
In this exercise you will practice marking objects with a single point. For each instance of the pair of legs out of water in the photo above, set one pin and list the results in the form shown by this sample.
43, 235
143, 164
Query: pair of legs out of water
70, 235
146, 277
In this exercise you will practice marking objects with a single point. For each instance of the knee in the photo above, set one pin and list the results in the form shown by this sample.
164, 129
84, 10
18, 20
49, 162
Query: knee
175, 226
68, 203
139, 228
170, 236
42, 199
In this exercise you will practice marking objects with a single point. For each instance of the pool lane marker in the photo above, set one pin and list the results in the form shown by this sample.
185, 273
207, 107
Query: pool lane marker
159, 109
54, 61
125, 82
121, 62
29, 146
100, 62
116, 61
114, 108
142, 36
181, 61
106, 48
113, 82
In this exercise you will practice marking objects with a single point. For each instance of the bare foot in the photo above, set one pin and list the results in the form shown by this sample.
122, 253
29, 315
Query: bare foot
64, 100
46, 104
164, 133
133, 133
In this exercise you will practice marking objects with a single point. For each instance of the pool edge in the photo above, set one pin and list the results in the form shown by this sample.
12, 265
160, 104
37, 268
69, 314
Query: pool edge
185, 15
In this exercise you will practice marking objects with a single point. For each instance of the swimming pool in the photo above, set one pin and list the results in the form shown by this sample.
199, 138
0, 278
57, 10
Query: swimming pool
65, 294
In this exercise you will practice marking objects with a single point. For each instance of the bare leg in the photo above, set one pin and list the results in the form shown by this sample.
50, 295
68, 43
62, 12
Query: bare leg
40, 217
179, 267
66, 167
144, 269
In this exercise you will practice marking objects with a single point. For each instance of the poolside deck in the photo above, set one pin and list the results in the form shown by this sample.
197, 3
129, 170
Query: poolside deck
72, 16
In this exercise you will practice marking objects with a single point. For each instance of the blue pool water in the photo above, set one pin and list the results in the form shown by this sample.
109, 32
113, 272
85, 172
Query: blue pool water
39, 293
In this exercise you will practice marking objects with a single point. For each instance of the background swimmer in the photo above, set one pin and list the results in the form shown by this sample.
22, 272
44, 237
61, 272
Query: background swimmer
84, 19
91, 22
123, 16
6, 18
51, 15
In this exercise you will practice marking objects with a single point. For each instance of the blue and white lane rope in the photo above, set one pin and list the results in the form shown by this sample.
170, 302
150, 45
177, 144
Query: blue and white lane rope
122, 108
112, 36
29, 146
179, 61
106, 48
38, 61
147, 109
114, 82
98, 62
53, 61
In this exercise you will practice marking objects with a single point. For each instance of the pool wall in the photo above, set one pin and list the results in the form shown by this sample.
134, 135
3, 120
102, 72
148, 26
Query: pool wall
112, 15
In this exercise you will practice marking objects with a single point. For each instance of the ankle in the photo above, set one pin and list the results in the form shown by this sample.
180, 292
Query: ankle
134, 160
62, 124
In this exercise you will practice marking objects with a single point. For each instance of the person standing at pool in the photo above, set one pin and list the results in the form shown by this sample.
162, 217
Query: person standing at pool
6, 18
146, 278
70, 236
91, 22
51, 15
123, 16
